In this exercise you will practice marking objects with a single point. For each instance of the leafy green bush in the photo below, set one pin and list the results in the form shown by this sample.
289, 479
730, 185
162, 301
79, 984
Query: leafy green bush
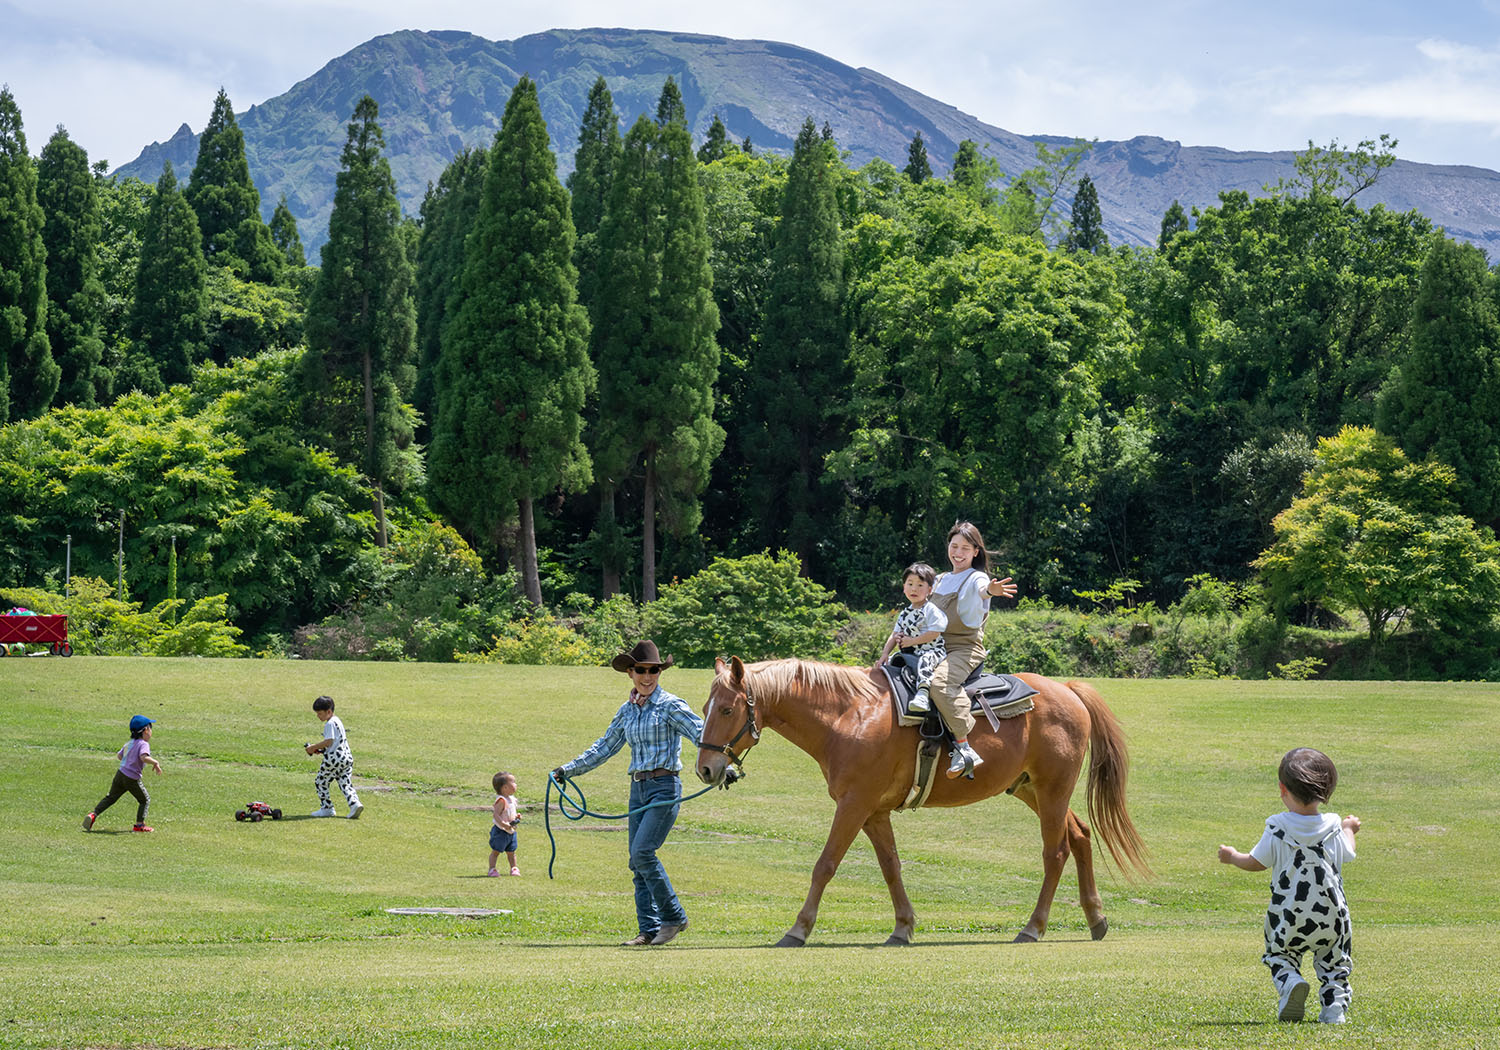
99, 624
541, 639
756, 607
429, 599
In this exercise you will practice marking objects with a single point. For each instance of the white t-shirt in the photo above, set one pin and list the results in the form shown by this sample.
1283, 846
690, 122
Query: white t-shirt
1275, 850
914, 621
333, 730
972, 588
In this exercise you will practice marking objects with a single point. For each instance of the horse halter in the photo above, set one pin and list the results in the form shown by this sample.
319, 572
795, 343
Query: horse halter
738, 760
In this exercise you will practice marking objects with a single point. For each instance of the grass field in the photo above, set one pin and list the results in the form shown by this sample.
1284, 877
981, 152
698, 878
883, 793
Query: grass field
210, 933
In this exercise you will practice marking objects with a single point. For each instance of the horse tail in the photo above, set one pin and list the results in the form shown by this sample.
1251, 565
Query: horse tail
1109, 765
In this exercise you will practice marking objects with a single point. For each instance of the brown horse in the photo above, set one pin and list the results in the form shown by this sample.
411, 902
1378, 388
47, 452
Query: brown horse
844, 718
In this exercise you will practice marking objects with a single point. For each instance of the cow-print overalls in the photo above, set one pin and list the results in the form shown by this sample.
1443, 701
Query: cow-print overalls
1308, 912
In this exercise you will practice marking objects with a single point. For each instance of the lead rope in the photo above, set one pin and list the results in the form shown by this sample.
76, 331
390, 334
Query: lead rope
579, 809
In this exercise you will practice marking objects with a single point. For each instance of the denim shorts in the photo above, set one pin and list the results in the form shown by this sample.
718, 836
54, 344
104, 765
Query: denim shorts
502, 841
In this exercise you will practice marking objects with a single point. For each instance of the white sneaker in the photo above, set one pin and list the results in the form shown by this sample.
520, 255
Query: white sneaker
1293, 1001
1332, 1015
355, 810
326, 811
920, 703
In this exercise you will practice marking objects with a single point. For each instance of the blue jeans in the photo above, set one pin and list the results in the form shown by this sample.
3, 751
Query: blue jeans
656, 903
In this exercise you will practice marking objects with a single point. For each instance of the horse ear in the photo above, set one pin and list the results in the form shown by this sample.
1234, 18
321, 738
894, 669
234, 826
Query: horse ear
718, 666
737, 668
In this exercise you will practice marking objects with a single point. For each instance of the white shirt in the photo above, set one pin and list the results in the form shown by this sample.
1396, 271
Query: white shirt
333, 730
1275, 851
972, 588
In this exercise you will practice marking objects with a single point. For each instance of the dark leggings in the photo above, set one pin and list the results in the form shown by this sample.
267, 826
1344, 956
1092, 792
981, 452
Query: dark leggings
120, 786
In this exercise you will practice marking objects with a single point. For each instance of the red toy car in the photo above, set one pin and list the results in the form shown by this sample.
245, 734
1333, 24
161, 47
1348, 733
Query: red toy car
257, 811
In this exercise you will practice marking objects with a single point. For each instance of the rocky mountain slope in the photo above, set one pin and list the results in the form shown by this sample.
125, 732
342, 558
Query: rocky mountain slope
441, 91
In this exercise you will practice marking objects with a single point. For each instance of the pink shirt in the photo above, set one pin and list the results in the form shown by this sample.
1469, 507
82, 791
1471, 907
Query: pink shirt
133, 757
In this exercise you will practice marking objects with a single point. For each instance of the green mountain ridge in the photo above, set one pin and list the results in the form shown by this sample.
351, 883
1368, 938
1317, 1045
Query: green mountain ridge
440, 92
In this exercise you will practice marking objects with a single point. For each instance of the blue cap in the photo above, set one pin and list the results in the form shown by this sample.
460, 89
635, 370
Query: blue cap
139, 722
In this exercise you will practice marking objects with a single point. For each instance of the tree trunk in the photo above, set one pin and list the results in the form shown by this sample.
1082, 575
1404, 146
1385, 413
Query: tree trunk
648, 533
531, 582
381, 538
609, 583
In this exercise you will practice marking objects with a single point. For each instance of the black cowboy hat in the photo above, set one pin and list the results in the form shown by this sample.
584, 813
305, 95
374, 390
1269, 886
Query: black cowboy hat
644, 653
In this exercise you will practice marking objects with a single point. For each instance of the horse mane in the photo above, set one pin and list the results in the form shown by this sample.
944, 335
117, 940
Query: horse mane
794, 676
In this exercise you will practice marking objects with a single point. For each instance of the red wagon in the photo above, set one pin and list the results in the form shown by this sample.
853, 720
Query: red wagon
18, 633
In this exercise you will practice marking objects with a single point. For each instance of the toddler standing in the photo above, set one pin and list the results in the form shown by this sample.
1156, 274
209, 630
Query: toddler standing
134, 757
338, 762
1305, 851
919, 629
503, 830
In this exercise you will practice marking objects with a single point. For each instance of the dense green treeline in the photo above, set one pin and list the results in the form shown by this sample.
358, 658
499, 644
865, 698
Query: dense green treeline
690, 354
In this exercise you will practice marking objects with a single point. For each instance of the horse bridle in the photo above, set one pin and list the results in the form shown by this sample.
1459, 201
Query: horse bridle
727, 750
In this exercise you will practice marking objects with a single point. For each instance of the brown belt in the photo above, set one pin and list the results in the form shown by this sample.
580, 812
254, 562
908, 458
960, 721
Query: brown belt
652, 774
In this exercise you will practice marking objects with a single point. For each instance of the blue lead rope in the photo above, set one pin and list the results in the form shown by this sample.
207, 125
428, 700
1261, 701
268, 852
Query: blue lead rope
578, 810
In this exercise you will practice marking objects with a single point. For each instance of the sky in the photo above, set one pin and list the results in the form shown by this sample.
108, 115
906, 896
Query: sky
1242, 74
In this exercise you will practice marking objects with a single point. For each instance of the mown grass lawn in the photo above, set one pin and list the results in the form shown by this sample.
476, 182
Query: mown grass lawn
210, 933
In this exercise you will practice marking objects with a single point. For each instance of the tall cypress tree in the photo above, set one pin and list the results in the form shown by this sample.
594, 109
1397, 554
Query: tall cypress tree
1444, 399
69, 197
28, 375
514, 372
917, 169
1175, 221
682, 439
630, 250
670, 109
449, 211
1086, 230
361, 324
975, 174
657, 356
594, 163
227, 203
167, 322
799, 370
284, 235
716, 144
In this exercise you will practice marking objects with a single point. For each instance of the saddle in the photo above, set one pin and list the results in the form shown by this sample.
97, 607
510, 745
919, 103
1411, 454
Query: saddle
997, 695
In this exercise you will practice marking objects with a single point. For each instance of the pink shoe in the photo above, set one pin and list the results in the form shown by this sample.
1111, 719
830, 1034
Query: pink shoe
493, 873
515, 871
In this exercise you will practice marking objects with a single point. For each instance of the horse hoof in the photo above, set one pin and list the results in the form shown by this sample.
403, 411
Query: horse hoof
790, 942
897, 942
1099, 929
1023, 938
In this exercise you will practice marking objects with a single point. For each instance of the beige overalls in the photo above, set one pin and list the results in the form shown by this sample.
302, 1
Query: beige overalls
965, 652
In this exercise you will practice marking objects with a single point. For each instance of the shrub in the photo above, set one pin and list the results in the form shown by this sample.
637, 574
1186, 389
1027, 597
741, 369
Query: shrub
541, 639
756, 607
100, 624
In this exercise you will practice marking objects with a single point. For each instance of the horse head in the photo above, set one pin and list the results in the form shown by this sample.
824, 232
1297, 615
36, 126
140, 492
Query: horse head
729, 717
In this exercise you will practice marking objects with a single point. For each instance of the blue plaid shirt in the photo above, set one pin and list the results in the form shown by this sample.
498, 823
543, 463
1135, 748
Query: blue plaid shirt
653, 730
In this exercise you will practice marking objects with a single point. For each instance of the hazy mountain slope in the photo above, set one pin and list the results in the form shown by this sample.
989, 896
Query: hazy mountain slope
439, 92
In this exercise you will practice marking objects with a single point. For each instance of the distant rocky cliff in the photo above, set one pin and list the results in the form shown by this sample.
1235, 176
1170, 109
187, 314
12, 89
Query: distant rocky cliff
439, 92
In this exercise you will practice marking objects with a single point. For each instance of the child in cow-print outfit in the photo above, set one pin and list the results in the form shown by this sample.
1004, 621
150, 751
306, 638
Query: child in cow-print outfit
919, 629
1305, 851
338, 761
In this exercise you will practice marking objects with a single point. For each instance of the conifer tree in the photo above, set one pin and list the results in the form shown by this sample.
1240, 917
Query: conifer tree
1443, 401
670, 107
799, 371
594, 163
361, 324
227, 203
449, 211
917, 169
69, 198
28, 374
1086, 230
284, 235
167, 322
975, 174
657, 356
716, 145
1175, 221
514, 373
